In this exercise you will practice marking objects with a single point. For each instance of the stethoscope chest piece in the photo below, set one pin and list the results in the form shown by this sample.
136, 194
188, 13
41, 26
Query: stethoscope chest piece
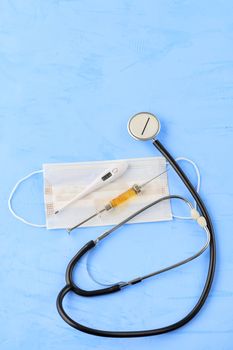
144, 126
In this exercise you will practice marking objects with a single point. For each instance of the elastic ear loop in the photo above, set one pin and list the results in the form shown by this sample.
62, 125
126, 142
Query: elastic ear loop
12, 194
197, 188
90, 253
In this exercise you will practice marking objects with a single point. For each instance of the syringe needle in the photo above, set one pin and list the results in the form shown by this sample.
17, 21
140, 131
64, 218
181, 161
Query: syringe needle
84, 221
153, 178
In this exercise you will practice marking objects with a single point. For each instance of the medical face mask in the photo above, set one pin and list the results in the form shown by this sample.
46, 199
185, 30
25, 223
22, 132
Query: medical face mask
63, 181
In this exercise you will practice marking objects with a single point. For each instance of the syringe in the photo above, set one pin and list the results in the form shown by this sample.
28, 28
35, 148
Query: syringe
121, 198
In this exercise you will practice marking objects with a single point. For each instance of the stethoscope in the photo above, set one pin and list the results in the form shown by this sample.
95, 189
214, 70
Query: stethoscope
145, 126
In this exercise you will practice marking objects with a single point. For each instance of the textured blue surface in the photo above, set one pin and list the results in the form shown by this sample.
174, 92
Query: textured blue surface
71, 74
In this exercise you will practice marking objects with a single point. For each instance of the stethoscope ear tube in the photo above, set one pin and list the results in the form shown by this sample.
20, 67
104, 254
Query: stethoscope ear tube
71, 286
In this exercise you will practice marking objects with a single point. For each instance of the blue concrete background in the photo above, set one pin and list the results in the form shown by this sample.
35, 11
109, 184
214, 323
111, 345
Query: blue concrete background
71, 74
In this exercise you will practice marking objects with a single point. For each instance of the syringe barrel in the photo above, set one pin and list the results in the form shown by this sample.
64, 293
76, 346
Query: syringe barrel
123, 197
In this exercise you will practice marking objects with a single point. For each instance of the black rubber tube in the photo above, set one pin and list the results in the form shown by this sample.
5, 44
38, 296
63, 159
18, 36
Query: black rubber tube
196, 308
69, 271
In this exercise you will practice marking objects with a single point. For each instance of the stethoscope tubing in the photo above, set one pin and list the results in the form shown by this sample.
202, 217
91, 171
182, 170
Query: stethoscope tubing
71, 286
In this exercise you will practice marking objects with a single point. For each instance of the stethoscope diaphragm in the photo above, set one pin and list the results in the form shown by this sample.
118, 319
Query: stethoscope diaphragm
144, 126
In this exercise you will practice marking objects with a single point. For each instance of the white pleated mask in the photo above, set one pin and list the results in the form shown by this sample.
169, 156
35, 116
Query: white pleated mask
63, 181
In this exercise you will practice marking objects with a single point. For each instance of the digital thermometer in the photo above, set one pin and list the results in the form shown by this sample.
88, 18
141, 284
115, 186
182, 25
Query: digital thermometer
103, 179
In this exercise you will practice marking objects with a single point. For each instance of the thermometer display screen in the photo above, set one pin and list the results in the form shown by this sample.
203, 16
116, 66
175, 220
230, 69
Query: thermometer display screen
106, 176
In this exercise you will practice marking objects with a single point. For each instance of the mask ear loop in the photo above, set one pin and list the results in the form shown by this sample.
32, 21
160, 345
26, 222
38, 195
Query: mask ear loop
197, 171
12, 194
